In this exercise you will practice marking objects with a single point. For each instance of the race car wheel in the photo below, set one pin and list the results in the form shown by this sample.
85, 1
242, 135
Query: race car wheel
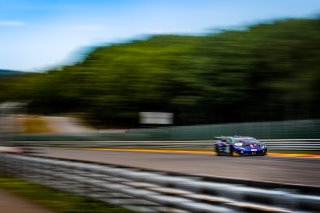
263, 153
217, 150
231, 151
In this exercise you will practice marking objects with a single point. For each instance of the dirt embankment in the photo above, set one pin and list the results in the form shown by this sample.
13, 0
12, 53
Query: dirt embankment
10, 203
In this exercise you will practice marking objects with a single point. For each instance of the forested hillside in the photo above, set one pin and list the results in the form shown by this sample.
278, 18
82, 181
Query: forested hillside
266, 72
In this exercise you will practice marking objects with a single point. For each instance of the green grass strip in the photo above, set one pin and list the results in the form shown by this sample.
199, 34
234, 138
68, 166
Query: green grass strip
56, 200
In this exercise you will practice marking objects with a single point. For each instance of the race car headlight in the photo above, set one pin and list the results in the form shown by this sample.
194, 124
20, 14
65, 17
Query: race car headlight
238, 144
263, 146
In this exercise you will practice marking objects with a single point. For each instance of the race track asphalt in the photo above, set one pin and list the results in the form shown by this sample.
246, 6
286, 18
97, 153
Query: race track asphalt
292, 170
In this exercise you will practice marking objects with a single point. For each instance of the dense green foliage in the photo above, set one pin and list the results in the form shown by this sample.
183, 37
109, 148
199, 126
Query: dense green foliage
4, 73
265, 72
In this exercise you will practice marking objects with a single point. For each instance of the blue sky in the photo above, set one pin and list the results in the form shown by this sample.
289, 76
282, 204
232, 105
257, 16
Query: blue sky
37, 34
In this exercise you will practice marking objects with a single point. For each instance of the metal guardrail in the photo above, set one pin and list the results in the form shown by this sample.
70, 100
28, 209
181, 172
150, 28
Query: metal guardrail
155, 191
293, 144
273, 144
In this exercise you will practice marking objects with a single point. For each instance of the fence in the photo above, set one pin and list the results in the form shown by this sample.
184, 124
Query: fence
273, 144
152, 191
309, 129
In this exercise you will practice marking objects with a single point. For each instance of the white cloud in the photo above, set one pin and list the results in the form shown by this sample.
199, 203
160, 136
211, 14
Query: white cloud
7, 23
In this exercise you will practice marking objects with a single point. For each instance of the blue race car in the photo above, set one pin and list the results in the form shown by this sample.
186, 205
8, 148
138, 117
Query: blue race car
241, 146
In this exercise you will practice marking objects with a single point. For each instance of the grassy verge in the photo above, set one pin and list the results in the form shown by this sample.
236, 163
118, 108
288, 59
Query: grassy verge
54, 199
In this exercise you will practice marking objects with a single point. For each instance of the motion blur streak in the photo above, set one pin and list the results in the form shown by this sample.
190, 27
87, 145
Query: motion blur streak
258, 80
154, 190
276, 169
198, 152
264, 72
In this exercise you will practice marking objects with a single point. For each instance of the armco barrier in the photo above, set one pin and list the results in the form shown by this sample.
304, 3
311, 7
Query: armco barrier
273, 144
293, 144
153, 191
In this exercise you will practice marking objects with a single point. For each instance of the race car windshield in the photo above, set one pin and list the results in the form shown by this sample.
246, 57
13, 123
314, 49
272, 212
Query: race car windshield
246, 140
